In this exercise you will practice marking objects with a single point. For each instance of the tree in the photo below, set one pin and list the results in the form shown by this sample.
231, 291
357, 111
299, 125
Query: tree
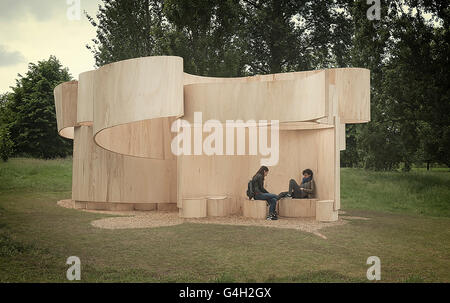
202, 32
6, 144
31, 119
406, 54
366, 144
225, 38
286, 35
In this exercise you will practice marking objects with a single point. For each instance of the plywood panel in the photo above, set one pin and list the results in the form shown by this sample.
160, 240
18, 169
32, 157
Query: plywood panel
194, 208
297, 208
103, 176
325, 211
256, 209
353, 91
85, 109
283, 100
194, 79
219, 206
203, 175
146, 139
135, 90
66, 107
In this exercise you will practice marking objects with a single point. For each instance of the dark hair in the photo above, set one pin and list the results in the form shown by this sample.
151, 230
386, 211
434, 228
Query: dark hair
308, 171
261, 170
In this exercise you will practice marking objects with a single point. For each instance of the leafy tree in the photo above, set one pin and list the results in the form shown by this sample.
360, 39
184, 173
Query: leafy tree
406, 54
366, 143
225, 38
286, 35
409, 97
6, 144
31, 109
202, 32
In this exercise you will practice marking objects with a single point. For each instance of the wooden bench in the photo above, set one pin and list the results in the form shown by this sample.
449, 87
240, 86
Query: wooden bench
325, 211
256, 209
209, 206
193, 208
320, 210
219, 206
297, 208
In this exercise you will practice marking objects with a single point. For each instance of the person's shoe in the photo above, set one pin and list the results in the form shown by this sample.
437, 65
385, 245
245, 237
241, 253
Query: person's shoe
288, 195
272, 216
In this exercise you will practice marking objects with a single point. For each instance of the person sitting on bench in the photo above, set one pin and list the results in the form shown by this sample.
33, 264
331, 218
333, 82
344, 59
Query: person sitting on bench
306, 189
262, 194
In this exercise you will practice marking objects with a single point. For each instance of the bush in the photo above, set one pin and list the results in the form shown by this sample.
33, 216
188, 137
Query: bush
6, 144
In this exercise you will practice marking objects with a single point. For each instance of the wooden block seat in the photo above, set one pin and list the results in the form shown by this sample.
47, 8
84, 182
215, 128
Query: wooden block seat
297, 208
325, 211
193, 208
256, 209
218, 206
207, 206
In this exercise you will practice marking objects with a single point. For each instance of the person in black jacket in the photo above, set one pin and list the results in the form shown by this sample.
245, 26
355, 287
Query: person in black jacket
262, 194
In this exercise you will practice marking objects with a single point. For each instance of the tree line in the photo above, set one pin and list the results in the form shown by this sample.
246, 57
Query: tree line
406, 49
27, 114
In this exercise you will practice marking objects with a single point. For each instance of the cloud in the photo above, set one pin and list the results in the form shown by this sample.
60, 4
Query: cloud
8, 58
41, 9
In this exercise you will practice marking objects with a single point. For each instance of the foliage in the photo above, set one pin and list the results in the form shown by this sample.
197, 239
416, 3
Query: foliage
223, 38
29, 115
410, 105
6, 144
406, 53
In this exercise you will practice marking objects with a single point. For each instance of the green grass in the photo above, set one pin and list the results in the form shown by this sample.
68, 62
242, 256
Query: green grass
418, 192
412, 241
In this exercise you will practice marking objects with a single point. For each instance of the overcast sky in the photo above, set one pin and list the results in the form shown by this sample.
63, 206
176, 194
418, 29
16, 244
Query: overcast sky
32, 30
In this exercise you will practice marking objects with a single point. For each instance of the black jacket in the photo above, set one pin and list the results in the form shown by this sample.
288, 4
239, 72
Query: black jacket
258, 184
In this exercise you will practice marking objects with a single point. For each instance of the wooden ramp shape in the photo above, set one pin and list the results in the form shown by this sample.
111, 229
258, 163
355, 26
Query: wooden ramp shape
124, 118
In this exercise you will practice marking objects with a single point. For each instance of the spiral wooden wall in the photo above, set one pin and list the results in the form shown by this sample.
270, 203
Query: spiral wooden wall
120, 118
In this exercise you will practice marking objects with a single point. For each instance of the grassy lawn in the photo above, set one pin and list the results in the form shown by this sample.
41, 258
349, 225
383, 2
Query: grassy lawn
409, 230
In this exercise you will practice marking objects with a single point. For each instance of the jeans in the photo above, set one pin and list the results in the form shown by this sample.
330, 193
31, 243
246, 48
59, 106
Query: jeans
270, 198
295, 191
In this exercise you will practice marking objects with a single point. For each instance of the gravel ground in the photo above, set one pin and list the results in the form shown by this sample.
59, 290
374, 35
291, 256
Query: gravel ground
149, 219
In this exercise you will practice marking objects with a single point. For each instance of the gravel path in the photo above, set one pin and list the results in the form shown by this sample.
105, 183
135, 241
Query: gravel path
149, 219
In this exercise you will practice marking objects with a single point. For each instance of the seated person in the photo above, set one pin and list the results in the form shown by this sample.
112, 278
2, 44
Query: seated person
262, 194
306, 189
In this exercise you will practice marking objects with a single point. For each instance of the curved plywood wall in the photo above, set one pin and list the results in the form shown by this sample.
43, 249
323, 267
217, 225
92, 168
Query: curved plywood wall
120, 117
258, 100
103, 176
132, 91
66, 97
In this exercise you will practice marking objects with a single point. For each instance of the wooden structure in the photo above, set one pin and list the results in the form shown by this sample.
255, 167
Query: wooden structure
298, 208
121, 118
